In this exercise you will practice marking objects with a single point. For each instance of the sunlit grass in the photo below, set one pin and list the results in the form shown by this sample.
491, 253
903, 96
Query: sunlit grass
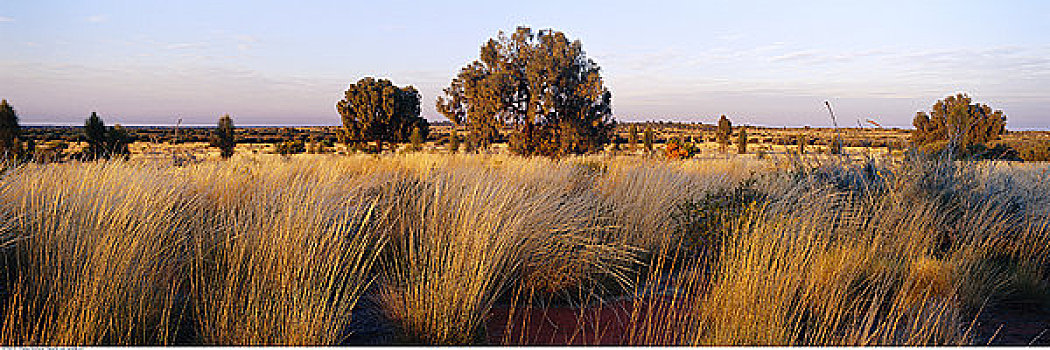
274, 251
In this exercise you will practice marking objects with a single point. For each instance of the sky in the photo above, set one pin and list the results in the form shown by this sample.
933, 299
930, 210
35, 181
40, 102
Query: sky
770, 63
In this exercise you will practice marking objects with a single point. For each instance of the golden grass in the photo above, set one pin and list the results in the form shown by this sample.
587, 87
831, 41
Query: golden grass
273, 250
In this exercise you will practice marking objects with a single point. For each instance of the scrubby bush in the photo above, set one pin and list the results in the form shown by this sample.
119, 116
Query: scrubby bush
678, 149
290, 147
648, 138
741, 140
959, 122
706, 221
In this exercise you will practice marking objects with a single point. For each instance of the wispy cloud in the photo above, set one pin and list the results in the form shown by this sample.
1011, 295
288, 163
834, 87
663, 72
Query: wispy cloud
6, 19
97, 18
795, 56
185, 46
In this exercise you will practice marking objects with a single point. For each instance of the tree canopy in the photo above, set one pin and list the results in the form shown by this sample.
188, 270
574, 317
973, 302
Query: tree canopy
542, 84
377, 110
959, 121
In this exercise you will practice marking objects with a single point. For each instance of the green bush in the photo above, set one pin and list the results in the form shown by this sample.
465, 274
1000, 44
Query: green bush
705, 222
290, 147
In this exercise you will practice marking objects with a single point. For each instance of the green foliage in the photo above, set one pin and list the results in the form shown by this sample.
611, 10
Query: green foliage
741, 140
9, 130
1034, 151
290, 147
471, 145
223, 137
376, 110
648, 139
103, 142
416, 139
724, 132
95, 135
453, 141
117, 141
542, 84
632, 137
705, 222
958, 121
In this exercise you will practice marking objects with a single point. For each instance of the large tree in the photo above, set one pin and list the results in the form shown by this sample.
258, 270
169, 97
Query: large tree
9, 130
958, 121
377, 110
540, 83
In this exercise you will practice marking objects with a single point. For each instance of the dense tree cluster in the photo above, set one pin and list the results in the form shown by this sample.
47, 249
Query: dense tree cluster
377, 110
541, 83
959, 122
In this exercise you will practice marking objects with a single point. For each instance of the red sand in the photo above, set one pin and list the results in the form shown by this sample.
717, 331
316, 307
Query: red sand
598, 325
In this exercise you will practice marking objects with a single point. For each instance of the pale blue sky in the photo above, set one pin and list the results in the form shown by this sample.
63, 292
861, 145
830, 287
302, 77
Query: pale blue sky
764, 63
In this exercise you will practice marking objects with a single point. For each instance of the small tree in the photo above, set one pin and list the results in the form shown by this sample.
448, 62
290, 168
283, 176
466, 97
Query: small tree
453, 141
223, 137
632, 137
9, 130
724, 131
741, 140
95, 135
416, 139
802, 141
959, 122
117, 141
648, 138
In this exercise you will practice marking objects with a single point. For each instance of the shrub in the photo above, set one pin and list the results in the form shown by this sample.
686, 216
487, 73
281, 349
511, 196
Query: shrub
290, 147
648, 139
741, 140
706, 221
223, 137
960, 122
725, 131
678, 149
